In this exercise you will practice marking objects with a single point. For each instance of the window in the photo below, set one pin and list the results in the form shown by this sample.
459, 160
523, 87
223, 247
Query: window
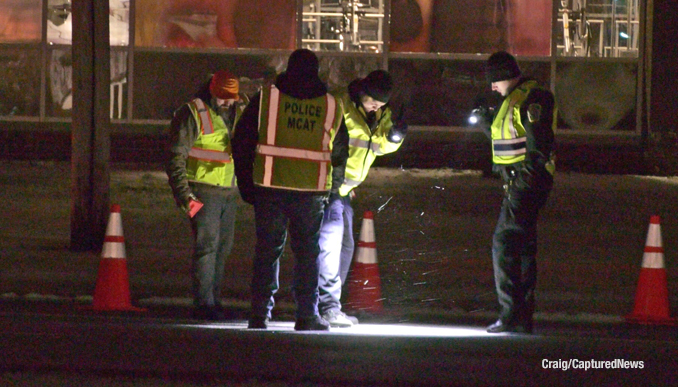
216, 24
343, 25
435, 50
598, 28
20, 21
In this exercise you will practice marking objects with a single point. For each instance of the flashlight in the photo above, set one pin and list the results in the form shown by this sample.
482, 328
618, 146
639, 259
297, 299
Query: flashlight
481, 115
477, 115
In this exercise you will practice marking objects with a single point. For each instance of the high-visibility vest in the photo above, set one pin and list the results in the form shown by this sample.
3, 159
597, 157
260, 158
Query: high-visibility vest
295, 141
209, 160
364, 145
509, 141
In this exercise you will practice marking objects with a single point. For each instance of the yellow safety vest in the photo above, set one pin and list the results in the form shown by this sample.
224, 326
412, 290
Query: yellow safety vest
509, 141
364, 146
295, 141
209, 160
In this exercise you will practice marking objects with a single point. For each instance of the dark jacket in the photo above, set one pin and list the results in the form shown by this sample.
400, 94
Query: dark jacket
246, 137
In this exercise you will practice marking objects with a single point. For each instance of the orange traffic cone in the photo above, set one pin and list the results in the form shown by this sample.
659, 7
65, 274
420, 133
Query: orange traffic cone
652, 296
364, 283
112, 287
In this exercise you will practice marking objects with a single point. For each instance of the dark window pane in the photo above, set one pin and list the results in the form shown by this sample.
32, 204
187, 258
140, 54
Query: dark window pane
596, 96
438, 92
19, 81
164, 80
443, 92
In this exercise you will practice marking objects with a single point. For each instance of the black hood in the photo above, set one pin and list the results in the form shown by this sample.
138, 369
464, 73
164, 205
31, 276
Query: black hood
301, 87
301, 78
355, 91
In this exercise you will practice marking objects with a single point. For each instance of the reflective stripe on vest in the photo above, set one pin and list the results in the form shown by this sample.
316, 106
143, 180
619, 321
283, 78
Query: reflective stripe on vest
351, 183
269, 150
359, 143
293, 153
209, 155
206, 125
366, 142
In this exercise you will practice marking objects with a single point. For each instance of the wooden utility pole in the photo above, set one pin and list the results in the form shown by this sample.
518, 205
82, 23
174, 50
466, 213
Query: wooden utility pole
90, 133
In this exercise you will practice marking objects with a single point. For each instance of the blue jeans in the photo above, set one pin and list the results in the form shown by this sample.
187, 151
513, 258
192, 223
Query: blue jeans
336, 252
276, 212
213, 229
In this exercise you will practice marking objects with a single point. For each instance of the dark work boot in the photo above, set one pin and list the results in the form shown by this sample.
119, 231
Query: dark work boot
315, 323
258, 323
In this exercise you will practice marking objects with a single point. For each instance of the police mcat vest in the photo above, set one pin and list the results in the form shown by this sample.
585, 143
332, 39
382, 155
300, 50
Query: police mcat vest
209, 160
364, 145
295, 141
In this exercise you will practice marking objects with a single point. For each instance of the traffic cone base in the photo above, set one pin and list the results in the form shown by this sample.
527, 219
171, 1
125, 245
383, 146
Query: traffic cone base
364, 283
652, 296
651, 302
112, 287
364, 289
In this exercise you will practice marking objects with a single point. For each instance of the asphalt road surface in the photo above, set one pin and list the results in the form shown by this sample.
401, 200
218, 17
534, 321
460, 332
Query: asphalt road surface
80, 346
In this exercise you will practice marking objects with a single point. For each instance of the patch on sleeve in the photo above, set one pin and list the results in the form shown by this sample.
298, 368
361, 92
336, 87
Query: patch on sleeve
534, 112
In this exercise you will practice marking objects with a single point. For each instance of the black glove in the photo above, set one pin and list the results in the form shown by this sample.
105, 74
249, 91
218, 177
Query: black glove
399, 129
333, 196
397, 132
183, 201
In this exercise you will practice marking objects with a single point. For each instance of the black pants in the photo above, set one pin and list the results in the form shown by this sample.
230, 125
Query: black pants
276, 213
514, 248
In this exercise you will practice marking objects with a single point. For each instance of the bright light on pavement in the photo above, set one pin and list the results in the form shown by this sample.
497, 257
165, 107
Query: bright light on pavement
401, 330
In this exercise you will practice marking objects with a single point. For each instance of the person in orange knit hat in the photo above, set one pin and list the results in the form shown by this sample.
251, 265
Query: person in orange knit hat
200, 172
224, 86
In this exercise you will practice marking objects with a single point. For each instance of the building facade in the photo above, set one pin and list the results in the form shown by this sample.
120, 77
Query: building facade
602, 58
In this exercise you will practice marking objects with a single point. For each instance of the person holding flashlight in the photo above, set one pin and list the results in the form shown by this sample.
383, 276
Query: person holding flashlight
523, 141
373, 131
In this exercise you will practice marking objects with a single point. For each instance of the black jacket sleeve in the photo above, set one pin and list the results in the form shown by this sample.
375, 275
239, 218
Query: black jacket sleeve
244, 145
339, 157
183, 132
537, 118
537, 115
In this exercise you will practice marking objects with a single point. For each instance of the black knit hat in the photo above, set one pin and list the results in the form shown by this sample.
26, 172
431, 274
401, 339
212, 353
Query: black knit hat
378, 85
303, 62
501, 66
